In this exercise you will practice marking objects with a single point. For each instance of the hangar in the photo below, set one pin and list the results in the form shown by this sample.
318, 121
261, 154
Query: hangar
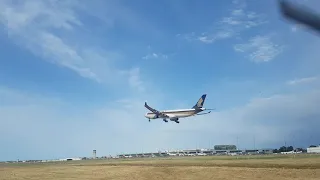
313, 149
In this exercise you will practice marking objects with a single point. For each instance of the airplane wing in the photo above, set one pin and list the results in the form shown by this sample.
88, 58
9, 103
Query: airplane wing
155, 111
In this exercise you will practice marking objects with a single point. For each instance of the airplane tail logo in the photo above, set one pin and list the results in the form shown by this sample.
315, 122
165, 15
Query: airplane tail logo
200, 102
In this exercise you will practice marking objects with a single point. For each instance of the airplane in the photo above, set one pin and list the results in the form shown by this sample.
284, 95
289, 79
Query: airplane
174, 115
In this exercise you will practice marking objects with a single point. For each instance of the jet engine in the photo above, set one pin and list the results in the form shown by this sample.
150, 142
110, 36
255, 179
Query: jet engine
174, 119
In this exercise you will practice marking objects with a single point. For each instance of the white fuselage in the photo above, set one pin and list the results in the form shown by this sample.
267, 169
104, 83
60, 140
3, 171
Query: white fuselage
178, 113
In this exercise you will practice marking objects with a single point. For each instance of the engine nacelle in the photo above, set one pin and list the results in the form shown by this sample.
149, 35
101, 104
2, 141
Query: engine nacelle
174, 119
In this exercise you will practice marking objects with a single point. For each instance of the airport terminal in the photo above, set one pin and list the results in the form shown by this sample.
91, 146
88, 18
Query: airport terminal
217, 150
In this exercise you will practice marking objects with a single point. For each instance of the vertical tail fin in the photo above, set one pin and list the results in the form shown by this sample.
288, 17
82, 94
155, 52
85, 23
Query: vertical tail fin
200, 102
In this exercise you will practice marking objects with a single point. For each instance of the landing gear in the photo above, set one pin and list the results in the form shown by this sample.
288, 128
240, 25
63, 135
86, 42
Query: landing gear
177, 121
149, 120
165, 120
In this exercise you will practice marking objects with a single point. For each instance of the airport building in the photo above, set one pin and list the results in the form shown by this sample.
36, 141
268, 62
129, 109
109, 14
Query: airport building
225, 147
94, 154
218, 150
313, 149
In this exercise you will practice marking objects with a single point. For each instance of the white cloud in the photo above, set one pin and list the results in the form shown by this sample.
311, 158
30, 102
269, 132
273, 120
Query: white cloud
49, 14
294, 29
54, 31
260, 49
302, 80
134, 79
239, 19
298, 27
155, 56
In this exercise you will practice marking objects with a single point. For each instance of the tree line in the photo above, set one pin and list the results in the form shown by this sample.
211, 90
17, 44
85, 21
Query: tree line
290, 148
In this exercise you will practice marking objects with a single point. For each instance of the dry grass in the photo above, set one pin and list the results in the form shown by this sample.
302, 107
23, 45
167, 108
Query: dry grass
262, 167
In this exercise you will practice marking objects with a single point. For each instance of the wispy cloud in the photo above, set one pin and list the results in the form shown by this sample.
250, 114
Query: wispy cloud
302, 80
134, 79
155, 56
298, 27
294, 28
54, 31
152, 54
239, 19
260, 49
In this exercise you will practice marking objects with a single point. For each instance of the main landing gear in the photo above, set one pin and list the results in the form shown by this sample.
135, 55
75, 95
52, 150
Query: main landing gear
167, 121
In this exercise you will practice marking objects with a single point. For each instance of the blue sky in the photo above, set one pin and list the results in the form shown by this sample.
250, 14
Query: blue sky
74, 76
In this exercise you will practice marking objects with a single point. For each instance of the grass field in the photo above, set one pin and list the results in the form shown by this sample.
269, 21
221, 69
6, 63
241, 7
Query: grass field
212, 167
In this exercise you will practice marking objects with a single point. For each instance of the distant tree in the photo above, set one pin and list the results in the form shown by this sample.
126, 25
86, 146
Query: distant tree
285, 149
275, 151
282, 149
304, 150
